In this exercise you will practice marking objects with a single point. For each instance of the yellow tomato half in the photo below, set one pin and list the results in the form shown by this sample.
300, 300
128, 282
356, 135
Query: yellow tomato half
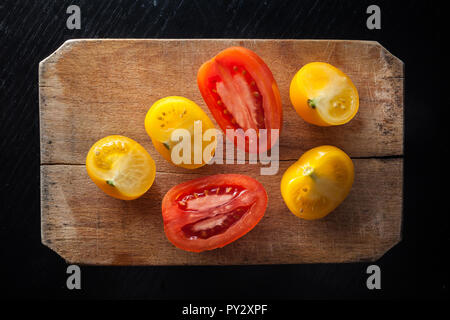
318, 182
121, 167
171, 113
324, 95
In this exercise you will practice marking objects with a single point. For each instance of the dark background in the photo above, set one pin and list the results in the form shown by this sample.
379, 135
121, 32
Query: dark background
411, 30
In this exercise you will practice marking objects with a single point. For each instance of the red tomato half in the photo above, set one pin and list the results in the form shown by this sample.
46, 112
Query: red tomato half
210, 212
241, 93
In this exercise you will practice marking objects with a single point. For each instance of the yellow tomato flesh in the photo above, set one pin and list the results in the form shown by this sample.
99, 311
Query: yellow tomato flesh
120, 167
324, 95
318, 182
169, 114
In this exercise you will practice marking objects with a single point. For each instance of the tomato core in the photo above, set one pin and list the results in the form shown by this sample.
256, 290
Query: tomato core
237, 94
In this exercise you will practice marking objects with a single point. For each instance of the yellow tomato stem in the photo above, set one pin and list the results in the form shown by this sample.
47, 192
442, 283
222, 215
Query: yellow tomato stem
110, 182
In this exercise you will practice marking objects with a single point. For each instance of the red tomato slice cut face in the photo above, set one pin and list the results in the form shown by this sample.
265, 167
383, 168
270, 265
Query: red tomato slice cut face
210, 212
241, 93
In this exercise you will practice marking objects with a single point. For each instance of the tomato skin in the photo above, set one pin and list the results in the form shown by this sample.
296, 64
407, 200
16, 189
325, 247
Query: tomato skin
154, 124
176, 218
261, 75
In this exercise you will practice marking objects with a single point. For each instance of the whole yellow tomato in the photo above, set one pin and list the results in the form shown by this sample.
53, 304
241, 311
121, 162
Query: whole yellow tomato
121, 167
171, 113
323, 95
318, 182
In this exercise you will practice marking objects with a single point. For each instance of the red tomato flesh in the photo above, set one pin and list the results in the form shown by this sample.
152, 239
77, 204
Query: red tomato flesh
210, 212
241, 93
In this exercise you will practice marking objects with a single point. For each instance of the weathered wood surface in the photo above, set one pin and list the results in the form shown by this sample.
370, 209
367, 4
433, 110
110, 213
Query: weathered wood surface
93, 88
85, 225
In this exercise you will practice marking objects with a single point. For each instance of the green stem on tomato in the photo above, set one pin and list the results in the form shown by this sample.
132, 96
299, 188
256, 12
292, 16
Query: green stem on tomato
312, 103
166, 144
309, 171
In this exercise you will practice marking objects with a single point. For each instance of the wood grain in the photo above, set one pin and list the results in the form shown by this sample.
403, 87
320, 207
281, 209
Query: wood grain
93, 88
84, 225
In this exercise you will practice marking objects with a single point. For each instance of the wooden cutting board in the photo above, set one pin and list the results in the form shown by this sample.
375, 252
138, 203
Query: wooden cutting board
89, 89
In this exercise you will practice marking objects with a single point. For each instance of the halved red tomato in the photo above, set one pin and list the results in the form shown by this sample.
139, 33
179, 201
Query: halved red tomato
210, 212
241, 93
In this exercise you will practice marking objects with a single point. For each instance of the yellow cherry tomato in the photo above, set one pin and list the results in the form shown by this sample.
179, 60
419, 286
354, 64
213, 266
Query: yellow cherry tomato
318, 182
121, 167
323, 95
171, 113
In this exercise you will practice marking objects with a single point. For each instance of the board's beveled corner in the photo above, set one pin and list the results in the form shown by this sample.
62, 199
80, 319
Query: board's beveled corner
388, 247
68, 44
391, 58
46, 70
49, 244
53, 58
